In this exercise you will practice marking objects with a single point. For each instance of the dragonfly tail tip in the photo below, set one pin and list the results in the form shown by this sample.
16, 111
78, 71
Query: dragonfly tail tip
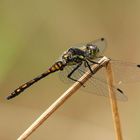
138, 65
8, 97
12, 95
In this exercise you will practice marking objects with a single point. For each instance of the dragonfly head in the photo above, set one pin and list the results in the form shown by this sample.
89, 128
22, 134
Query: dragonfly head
91, 51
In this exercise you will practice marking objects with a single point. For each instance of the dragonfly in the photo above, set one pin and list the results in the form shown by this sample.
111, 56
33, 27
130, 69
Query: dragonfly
75, 61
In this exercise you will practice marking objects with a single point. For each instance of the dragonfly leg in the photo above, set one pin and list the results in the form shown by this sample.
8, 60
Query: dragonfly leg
70, 74
94, 62
88, 65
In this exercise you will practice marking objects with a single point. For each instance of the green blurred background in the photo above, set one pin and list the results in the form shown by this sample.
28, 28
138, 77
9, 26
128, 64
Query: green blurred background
33, 34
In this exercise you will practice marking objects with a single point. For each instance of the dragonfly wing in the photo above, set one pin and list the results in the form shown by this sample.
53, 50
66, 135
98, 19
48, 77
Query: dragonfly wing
101, 43
125, 72
97, 84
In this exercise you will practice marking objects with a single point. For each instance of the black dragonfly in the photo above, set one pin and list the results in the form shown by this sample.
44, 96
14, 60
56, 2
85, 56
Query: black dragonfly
74, 62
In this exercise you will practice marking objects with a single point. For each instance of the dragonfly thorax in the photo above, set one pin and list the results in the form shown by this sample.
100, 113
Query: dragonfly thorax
73, 56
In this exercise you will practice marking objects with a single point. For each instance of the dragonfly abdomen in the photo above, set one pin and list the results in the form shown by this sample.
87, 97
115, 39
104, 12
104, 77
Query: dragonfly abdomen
57, 66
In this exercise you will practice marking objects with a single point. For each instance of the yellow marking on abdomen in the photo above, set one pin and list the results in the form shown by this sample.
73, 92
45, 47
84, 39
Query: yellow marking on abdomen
18, 90
25, 85
59, 64
56, 66
53, 68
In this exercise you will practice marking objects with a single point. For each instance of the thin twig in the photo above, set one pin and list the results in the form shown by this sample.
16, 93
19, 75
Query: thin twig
62, 99
113, 102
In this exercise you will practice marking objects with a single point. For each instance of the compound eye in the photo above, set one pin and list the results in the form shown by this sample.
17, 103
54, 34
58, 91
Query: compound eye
91, 47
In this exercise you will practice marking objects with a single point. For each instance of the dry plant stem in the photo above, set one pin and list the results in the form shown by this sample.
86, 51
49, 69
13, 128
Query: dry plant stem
62, 99
113, 103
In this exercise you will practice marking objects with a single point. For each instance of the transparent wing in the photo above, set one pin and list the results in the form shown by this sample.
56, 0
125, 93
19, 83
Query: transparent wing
125, 72
97, 84
100, 43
